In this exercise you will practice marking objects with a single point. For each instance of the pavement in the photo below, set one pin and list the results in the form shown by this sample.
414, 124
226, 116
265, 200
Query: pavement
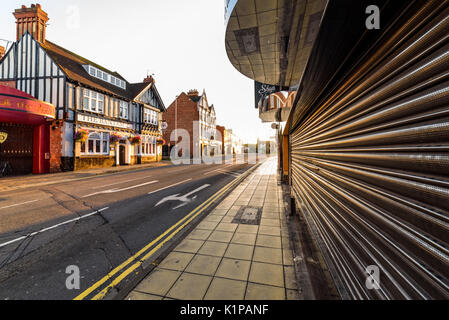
240, 250
110, 226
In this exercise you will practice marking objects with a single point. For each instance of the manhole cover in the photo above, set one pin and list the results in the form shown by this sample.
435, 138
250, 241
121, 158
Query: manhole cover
248, 215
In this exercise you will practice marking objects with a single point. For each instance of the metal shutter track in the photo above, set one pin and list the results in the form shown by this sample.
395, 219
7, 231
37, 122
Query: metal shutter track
370, 165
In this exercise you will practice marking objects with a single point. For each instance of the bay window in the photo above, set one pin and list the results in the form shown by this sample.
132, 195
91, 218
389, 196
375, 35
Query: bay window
97, 143
148, 146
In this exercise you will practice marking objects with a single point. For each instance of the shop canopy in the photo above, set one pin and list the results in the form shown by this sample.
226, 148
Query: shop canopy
19, 107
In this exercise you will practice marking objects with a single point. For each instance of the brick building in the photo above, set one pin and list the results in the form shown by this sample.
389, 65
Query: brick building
100, 119
192, 112
222, 135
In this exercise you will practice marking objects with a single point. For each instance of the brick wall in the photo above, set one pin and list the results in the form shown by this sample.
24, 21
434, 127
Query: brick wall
82, 163
55, 146
187, 114
222, 130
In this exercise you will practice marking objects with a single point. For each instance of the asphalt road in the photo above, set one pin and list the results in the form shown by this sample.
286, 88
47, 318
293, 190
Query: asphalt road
95, 224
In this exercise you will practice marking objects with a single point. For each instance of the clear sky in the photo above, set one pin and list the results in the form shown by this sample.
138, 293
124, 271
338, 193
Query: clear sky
181, 42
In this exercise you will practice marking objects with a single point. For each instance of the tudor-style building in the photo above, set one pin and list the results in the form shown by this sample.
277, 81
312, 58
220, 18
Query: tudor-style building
151, 108
101, 119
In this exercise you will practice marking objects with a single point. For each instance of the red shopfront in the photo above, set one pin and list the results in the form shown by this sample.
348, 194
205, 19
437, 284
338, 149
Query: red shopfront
24, 132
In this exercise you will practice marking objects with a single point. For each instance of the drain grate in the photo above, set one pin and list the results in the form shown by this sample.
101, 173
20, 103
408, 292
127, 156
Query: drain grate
248, 215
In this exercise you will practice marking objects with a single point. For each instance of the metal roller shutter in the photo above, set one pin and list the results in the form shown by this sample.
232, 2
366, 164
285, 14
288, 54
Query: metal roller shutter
370, 164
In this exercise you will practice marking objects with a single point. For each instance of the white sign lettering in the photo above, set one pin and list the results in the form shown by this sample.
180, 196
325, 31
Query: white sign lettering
105, 122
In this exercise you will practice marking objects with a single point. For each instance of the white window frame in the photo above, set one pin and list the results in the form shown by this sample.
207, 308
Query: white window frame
147, 115
99, 74
150, 116
95, 101
96, 136
124, 106
145, 147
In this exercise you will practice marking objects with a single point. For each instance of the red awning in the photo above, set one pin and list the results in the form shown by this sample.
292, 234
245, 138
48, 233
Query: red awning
19, 107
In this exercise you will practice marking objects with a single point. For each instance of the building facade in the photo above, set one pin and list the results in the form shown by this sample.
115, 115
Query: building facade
232, 143
191, 112
221, 130
101, 119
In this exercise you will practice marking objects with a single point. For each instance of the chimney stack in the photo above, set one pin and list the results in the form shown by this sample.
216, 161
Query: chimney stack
193, 93
149, 79
33, 20
2, 52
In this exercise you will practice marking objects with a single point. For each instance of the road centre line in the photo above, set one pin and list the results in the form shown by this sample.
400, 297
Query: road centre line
53, 227
18, 204
115, 183
181, 223
172, 185
120, 190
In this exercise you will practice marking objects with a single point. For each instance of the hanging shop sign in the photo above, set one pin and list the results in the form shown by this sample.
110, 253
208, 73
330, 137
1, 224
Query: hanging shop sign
263, 90
3, 137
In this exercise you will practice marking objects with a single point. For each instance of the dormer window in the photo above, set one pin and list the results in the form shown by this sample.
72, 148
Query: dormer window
99, 74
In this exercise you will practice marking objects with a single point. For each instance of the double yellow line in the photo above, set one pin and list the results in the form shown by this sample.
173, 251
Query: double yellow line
179, 225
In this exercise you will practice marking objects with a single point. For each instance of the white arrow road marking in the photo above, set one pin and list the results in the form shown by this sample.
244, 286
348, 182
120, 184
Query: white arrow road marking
53, 227
172, 185
119, 190
230, 173
212, 171
184, 199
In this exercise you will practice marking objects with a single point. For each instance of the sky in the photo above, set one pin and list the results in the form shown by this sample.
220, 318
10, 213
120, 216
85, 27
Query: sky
181, 42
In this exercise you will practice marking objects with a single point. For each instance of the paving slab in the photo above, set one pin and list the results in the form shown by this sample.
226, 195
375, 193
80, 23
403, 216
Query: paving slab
240, 250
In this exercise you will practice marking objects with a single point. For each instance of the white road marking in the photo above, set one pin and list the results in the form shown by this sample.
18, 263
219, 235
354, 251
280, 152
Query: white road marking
120, 190
230, 173
53, 227
212, 171
112, 184
18, 204
184, 199
172, 185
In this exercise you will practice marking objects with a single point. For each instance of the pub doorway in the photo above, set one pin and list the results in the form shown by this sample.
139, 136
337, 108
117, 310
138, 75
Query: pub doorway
16, 152
122, 155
